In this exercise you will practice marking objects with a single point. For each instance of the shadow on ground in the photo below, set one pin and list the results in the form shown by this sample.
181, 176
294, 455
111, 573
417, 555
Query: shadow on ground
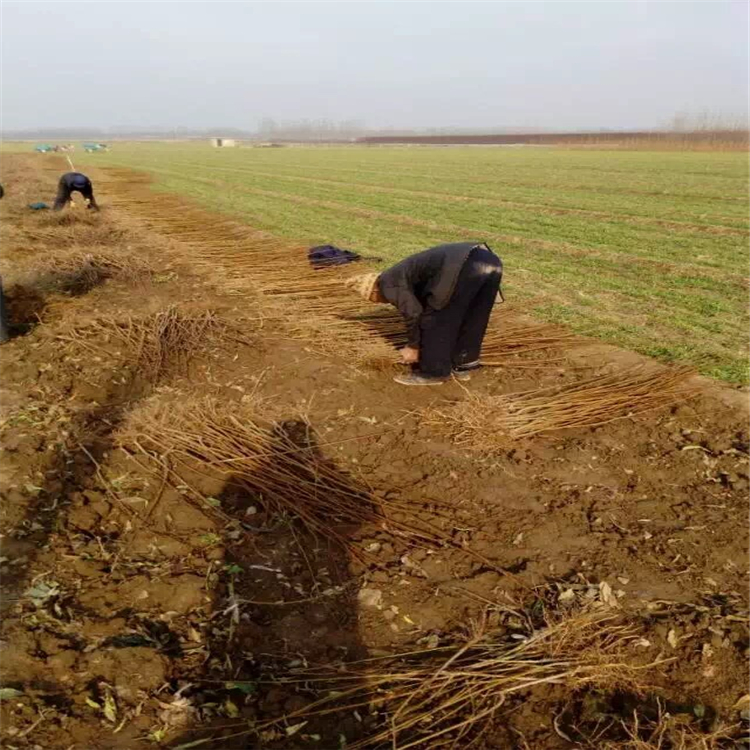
285, 600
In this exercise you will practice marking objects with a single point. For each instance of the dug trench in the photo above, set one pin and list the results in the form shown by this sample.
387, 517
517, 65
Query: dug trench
212, 501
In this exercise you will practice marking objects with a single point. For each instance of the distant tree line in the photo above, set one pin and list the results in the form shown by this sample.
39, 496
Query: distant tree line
324, 130
705, 120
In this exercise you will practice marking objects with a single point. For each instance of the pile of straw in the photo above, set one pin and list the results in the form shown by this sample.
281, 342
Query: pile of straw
79, 271
506, 338
162, 343
280, 464
481, 421
76, 229
598, 401
447, 696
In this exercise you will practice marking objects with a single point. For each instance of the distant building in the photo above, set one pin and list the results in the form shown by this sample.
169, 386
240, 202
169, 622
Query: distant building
223, 142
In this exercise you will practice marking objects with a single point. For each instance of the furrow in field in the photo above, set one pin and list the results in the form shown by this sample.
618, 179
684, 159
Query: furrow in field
681, 210
471, 178
547, 179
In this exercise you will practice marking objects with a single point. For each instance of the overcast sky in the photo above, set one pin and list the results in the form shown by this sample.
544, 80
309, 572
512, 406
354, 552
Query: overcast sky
561, 65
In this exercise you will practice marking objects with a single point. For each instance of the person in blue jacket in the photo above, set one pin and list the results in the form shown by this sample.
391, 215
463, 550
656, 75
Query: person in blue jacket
72, 182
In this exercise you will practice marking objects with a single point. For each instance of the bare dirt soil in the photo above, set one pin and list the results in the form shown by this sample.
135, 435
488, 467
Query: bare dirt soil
151, 598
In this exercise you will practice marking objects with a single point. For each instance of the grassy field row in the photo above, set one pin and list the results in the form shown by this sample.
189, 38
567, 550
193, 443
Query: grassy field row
645, 250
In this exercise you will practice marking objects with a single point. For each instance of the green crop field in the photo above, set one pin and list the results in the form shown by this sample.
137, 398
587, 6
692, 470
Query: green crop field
642, 249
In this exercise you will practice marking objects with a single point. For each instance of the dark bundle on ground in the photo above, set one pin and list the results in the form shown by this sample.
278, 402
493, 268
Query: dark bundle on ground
25, 308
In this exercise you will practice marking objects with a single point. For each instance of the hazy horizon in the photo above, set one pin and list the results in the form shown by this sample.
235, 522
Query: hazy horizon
469, 65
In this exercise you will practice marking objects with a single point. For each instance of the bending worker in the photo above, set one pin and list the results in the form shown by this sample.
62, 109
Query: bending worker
4, 334
74, 182
446, 295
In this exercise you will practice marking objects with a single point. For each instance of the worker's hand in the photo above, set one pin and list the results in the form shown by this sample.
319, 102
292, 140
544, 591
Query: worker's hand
409, 355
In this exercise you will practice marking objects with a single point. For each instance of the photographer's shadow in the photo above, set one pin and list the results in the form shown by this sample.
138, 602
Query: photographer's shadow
285, 599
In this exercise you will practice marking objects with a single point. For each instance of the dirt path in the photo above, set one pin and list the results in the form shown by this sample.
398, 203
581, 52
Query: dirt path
153, 596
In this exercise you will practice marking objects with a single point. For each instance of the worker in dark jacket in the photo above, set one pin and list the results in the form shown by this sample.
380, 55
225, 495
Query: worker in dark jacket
4, 334
74, 182
446, 295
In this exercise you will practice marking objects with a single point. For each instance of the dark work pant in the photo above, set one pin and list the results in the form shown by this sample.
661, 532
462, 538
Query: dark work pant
64, 191
4, 334
453, 336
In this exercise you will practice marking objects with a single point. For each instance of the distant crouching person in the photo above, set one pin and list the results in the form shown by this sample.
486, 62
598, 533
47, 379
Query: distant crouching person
72, 182
446, 295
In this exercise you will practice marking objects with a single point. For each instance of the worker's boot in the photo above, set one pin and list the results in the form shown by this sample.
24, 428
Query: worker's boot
463, 372
415, 378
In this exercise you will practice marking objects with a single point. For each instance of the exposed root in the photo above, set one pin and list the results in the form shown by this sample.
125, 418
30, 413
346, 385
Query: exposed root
479, 421
666, 733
